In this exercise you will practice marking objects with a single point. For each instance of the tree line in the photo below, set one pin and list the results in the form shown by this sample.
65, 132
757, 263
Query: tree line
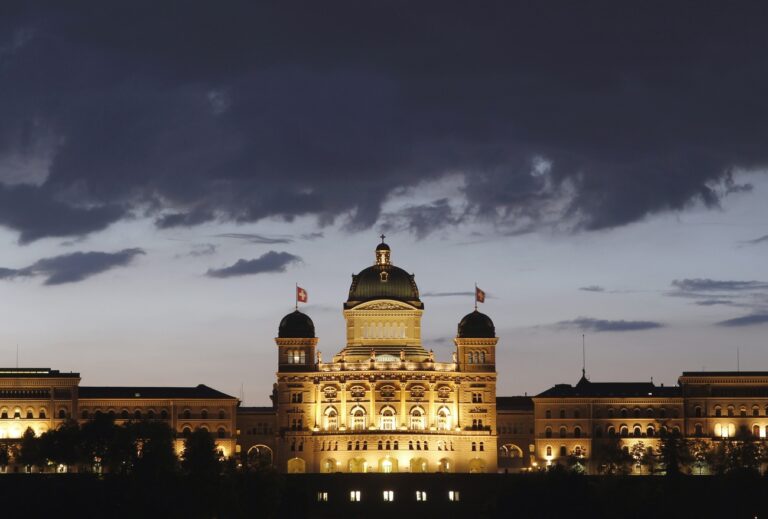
142, 448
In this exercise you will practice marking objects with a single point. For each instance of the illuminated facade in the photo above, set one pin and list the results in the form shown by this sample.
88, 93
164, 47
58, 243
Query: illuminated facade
42, 399
383, 403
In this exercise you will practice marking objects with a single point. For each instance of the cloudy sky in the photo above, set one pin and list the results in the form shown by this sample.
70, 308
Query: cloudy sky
169, 170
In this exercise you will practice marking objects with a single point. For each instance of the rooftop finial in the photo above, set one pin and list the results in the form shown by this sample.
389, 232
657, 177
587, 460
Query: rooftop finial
382, 253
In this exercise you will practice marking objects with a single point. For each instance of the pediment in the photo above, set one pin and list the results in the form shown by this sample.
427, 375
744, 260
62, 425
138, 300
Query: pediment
384, 304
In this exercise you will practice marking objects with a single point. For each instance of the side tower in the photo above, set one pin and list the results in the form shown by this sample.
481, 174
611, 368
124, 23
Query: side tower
476, 362
476, 343
295, 397
296, 343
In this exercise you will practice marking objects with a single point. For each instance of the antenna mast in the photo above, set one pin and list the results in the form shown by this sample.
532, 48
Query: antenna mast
583, 356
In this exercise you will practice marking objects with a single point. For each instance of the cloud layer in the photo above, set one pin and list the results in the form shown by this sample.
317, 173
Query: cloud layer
74, 267
271, 261
585, 116
603, 325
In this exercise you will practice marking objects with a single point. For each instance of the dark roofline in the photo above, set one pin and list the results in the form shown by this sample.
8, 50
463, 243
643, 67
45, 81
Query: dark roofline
725, 374
36, 373
514, 403
201, 391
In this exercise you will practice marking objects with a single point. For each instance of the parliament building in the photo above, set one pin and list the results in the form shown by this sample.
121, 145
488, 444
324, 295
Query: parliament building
385, 404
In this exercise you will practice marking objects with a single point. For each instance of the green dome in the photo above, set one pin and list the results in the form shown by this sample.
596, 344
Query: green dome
476, 325
383, 281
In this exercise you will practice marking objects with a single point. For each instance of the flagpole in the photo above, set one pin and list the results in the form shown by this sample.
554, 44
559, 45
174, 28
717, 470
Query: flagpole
296, 296
475, 296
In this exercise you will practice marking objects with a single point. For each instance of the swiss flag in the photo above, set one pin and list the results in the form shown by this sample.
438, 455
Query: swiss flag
479, 295
301, 295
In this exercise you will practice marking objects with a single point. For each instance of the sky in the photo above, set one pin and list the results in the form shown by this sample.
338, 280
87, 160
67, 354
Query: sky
169, 171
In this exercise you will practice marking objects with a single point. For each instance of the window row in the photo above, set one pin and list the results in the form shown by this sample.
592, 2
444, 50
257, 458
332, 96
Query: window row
475, 357
729, 430
388, 391
30, 413
355, 496
387, 419
623, 413
186, 431
730, 410
578, 451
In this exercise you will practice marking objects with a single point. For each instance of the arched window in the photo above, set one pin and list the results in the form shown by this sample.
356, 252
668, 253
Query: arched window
331, 419
649, 412
417, 419
624, 412
624, 431
697, 411
698, 430
756, 431
358, 418
443, 419
650, 431
562, 413
330, 392
742, 411
549, 451
221, 432
563, 451
84, 415
482, 357
222, 414
563, 432
417, 391
187, 414
151, 414
469, 358
636, 412
718, 411
755, 411
387, 419
611, 431
577, 432
637, 432
474, 446
387, 391
164, 414
204, 414
186, 432
576, 413
730, 410
610, 412
137, 414
62, 413
548, 414
548, 432
124, 414
30, 413
41, 414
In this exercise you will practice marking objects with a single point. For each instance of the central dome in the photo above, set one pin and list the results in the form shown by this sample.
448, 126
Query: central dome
383, 281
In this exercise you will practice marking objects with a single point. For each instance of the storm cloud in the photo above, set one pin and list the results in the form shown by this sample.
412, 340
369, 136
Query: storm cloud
581, 116
603, 325
74, 267
271, 261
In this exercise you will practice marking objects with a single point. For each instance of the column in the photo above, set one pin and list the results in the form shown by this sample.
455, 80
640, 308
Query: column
431, 420
372, 421
343, 410
456, 421
318, 423
403, 415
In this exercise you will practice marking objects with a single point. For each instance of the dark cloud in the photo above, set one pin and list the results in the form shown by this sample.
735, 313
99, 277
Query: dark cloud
714, 302
74, 267
188, 219
312, 236
256, 238
271, 261
37, 213
580, 115
202, 249
602, 325
747, 320
712, 285
761, 239
592, 288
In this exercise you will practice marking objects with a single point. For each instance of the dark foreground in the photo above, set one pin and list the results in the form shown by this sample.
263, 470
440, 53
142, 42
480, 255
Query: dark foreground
479, 496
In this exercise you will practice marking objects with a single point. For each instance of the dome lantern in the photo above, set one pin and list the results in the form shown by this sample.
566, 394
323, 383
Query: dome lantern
383, 253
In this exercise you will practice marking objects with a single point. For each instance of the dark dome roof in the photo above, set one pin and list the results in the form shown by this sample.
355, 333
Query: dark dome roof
476, 326
383, 282
382, 246
296, 325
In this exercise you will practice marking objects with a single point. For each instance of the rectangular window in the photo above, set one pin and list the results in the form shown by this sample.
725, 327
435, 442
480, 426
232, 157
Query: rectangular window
354, 496
453, 495
389, 495
322, 497
421, 495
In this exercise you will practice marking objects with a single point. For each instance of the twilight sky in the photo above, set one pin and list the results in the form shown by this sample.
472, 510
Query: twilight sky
169, 170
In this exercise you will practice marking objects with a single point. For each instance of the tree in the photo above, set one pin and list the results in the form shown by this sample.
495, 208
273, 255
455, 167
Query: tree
97, 434
701, 454
610, 457
30, 452
155, 455
5, 457
673, 453
200, 456
62, 446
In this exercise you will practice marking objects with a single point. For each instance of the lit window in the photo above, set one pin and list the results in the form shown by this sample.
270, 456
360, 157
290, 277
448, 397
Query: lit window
322, 497
354, 496
388, 495
421, 495
453, 495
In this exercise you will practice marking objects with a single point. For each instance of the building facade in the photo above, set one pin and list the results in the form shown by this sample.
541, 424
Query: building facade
383, 403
